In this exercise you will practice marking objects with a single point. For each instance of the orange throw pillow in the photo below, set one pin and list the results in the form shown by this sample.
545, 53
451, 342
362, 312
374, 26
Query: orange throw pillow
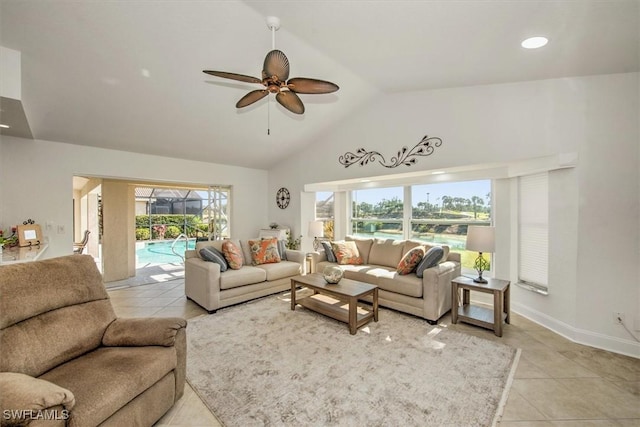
410, 260
232, 254
264, 251
346, 253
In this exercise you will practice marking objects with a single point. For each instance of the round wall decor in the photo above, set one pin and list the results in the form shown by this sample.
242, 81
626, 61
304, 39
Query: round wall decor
282, 198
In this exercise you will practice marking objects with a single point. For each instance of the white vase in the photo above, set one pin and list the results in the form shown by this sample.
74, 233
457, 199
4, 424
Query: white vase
332, 274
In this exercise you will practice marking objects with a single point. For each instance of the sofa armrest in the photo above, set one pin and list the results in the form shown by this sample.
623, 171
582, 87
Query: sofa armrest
436, 283
202, 282
24, 398
316, 257
296, 256
455, 257
191, 253
143, 331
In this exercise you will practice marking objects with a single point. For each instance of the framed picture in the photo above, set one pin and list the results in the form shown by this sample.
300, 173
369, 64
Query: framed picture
29, 235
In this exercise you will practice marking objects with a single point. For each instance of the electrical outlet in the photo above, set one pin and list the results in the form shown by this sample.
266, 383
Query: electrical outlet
618, 317
60, 229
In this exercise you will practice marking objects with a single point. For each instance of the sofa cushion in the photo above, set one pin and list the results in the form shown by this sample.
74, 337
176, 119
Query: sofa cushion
32, 288
430, 259
125, 372
77, 329
385, 278
346, 253
409, 284
331, 257
211, 254
364, 247
264, 251
410, 260
410, 244
386, 252
281, 270
364, 273
247, 275
232, 254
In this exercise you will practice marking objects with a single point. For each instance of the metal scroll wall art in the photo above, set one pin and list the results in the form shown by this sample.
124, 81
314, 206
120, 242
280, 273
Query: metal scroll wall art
405, 156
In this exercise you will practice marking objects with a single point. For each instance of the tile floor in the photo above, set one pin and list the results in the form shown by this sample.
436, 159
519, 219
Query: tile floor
557, 383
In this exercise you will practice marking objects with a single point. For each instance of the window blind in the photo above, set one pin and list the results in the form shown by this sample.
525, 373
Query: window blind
533, 231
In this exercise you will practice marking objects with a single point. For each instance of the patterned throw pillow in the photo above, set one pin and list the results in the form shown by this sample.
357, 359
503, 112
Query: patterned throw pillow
211, 254
282, 249
410, 260
431, 259
331, 257
264, 251
346, 253
232, 254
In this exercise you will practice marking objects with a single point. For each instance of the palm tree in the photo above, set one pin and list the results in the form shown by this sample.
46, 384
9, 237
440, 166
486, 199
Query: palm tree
476, 201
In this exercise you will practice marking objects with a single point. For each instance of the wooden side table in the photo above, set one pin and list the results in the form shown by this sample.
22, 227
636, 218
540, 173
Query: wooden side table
481, 316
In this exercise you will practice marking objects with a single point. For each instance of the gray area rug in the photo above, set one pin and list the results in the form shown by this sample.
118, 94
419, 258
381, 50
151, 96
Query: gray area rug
260, 363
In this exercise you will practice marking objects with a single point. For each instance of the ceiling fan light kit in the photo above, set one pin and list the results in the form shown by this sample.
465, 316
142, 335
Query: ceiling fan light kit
275, 79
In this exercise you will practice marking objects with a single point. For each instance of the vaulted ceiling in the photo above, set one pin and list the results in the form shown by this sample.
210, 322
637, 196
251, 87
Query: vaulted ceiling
127, 75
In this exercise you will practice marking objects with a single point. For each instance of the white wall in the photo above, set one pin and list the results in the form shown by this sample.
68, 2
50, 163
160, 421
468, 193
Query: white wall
36, 182
594, 208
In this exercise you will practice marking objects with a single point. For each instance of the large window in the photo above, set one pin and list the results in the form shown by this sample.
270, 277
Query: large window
165, 213
437, 213
325, 212
378, 212
441, 213
533, 231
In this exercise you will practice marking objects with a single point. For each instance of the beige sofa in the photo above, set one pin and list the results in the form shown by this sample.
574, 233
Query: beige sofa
212, 289
428, 297
66, 360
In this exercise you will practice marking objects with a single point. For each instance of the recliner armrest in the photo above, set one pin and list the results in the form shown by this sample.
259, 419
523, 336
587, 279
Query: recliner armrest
24, 398
143, 331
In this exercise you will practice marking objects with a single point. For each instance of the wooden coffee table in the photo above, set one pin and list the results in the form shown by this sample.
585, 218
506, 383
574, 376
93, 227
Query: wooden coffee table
339, 301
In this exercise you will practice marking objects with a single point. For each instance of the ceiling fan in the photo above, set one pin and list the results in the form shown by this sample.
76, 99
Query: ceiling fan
275, 79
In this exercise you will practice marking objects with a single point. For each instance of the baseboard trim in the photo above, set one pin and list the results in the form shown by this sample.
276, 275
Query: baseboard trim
626, 347
577, 335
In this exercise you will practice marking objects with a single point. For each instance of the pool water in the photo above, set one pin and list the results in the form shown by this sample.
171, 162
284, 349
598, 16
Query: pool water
160, 252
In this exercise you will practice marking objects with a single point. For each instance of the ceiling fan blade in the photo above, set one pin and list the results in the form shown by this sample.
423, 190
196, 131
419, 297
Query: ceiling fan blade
251, 97
233, 76
290, 101
304, 85
276, 64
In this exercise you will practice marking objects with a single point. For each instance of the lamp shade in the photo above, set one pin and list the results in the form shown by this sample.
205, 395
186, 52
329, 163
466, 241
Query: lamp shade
316, 229
481, 239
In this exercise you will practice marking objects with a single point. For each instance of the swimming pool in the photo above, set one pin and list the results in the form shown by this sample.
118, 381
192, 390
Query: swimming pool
148, 253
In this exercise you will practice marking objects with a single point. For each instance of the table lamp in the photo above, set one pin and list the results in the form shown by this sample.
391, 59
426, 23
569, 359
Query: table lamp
316, 230
480, 239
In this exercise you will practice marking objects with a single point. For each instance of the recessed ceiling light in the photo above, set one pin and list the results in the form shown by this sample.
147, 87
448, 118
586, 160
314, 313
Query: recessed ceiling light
4, 126
437, 172
365, 180
534, 42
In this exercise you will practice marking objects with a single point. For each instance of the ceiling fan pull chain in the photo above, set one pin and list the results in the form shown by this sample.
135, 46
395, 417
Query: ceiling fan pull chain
268, 116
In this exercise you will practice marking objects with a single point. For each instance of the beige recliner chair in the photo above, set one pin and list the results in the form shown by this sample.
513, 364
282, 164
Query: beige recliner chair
65, 359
